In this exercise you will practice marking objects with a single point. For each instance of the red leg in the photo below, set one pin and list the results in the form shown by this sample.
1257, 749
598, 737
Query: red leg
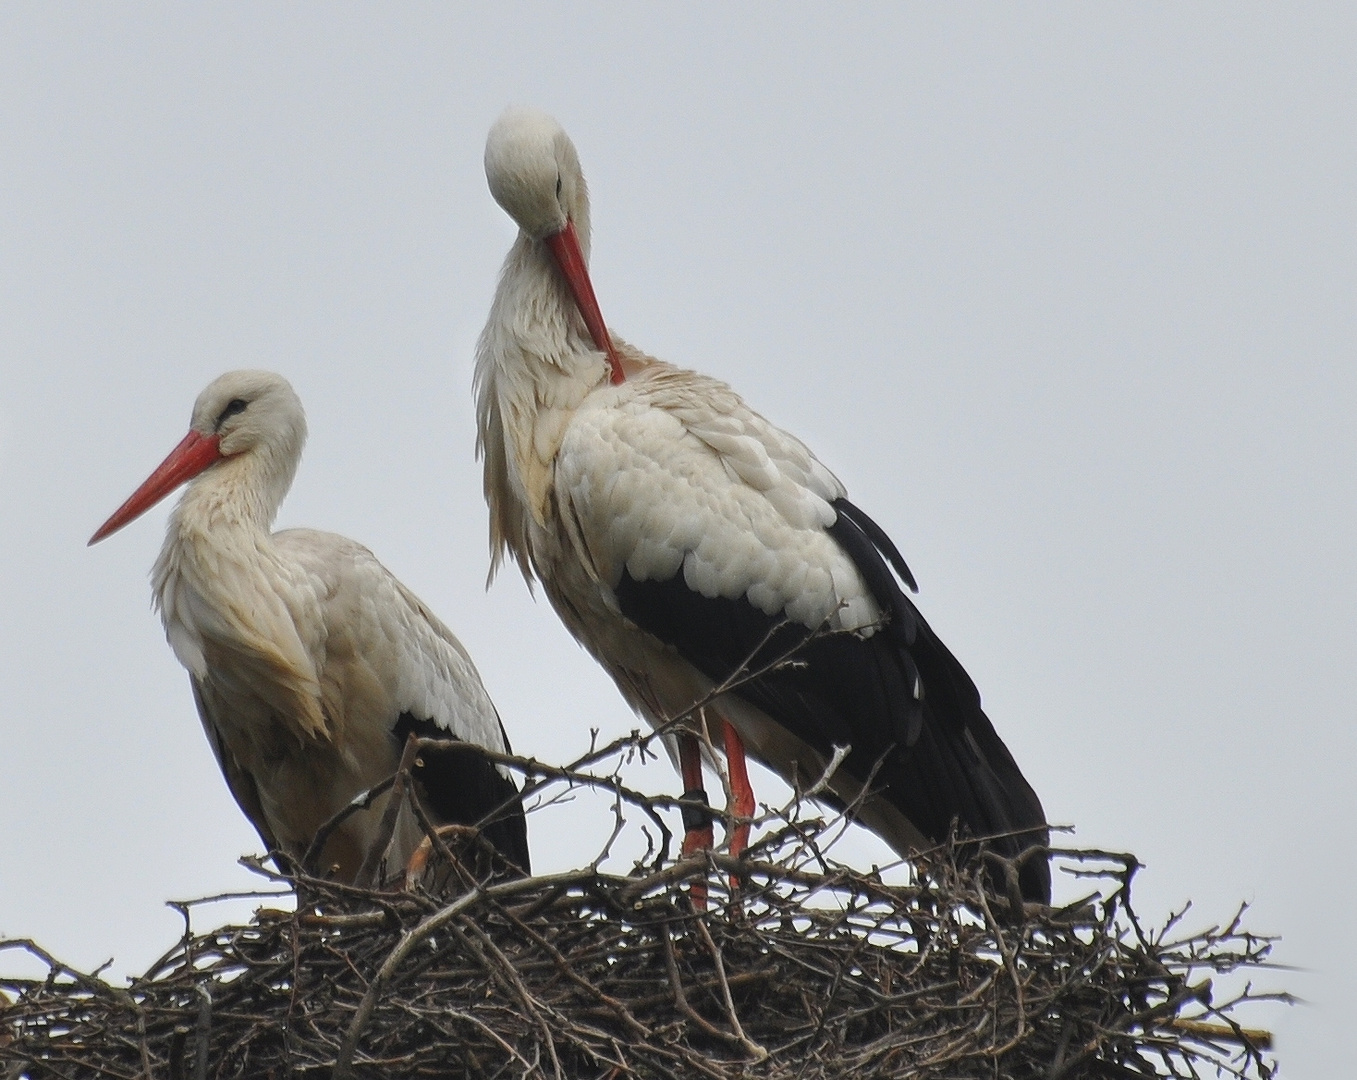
696, 822
741, 791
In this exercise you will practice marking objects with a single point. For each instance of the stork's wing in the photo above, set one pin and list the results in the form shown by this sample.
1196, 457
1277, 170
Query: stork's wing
724, 538
673, 470
390, 667
240, 782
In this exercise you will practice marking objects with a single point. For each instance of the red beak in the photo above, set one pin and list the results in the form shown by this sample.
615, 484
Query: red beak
565, 245
186, 461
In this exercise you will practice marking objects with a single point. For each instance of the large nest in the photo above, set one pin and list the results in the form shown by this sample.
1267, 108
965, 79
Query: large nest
808, 969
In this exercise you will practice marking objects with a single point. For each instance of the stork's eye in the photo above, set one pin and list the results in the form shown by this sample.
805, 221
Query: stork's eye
558, 185
235, 405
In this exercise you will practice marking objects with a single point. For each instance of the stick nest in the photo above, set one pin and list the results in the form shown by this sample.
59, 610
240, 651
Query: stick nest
808, 970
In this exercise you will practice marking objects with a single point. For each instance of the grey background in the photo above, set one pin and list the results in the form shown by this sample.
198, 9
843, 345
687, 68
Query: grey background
1064, 294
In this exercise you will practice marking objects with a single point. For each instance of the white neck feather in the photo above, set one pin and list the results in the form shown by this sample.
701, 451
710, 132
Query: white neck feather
535, 364
218, 547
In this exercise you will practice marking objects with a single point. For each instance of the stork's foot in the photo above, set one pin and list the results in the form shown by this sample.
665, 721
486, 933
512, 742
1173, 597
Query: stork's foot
697, 837
419, 862
466, 859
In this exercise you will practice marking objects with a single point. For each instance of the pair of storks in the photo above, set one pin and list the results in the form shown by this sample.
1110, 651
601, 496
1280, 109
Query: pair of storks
684, 540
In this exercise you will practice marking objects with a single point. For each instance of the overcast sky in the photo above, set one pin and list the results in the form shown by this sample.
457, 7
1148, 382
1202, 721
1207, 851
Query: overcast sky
1065, 296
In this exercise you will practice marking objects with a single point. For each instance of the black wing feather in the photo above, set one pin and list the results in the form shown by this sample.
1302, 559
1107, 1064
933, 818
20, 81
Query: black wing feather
884, 544
464, 788
898, 697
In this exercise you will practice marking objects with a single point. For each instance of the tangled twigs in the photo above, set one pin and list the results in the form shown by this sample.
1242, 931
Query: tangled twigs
810, 974
815, 971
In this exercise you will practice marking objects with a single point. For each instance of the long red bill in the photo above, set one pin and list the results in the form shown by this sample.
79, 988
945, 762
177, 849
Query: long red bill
186, 461
565, 245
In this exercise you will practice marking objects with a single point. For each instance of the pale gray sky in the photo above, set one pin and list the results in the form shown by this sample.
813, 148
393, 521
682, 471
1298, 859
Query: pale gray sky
1064, 295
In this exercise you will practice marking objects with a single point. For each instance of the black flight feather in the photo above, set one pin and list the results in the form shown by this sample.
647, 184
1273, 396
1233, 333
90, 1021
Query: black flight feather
898, 697
462, 787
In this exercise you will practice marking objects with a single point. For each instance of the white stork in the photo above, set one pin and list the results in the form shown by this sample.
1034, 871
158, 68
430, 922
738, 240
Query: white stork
678, 534
310, 662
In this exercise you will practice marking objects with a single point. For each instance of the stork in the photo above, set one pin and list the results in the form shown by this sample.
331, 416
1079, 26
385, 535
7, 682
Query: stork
310, 663
687, 542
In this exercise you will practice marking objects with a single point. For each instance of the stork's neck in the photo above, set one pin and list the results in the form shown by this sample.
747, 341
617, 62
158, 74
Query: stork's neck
535, 331
238, 494
535, 365
217, 552
229, 598
222, 520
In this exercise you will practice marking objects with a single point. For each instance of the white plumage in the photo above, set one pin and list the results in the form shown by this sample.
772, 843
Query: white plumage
309, 661
675, 530
672, 470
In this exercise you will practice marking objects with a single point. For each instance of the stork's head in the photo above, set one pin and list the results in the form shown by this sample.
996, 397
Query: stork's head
251, 412
535, 175
243, 415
